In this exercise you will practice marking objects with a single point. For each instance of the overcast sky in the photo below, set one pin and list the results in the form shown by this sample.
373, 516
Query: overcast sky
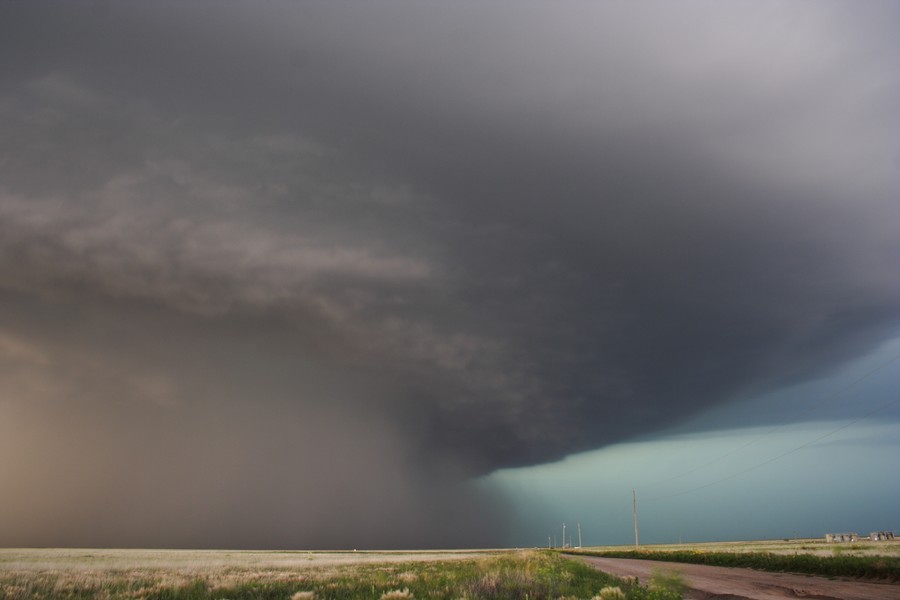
296, 274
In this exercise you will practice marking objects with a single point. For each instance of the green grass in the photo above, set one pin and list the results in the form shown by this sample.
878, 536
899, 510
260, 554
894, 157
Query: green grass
532, 575
838, 565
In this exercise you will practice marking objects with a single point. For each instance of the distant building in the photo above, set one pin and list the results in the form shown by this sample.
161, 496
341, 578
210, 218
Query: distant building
881, 536
841, 537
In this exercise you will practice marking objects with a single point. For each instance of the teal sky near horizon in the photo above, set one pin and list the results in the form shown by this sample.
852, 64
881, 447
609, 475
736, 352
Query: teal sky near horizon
828, 471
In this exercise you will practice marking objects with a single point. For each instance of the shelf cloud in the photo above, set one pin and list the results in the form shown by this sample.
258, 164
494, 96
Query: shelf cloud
292, 275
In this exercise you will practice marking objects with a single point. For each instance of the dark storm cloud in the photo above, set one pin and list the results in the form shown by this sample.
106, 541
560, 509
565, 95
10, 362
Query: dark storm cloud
312, 262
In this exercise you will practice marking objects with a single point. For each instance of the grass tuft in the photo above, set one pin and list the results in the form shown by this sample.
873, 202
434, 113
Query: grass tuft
403, 594
610, 593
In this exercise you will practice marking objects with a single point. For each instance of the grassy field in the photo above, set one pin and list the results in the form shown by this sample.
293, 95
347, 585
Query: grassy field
220, 575
864, 559
814, 546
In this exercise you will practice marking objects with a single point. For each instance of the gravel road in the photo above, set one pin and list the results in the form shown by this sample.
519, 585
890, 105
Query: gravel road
723, 583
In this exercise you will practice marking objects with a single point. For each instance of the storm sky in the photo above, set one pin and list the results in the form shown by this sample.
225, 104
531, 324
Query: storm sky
296, 274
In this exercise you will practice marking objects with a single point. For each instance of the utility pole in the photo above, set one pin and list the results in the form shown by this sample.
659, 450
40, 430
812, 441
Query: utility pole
548, 542
564, 535
579, 535
634, 497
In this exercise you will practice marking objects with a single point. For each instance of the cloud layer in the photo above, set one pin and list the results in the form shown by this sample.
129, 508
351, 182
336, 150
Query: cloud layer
322, 263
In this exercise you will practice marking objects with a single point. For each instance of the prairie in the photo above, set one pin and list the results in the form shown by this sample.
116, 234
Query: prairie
814, 546
303, 575
863, 559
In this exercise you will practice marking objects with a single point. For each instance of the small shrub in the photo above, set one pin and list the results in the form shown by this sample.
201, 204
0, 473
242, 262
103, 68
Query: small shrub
610, 593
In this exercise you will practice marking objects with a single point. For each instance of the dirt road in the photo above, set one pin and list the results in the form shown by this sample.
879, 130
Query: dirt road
722, 583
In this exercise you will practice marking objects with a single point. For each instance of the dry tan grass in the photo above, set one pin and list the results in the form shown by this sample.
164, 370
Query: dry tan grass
90, 559
406, 576
147, 572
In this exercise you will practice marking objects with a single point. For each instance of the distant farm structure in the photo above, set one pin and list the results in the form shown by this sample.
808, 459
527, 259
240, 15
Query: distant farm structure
875, 536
